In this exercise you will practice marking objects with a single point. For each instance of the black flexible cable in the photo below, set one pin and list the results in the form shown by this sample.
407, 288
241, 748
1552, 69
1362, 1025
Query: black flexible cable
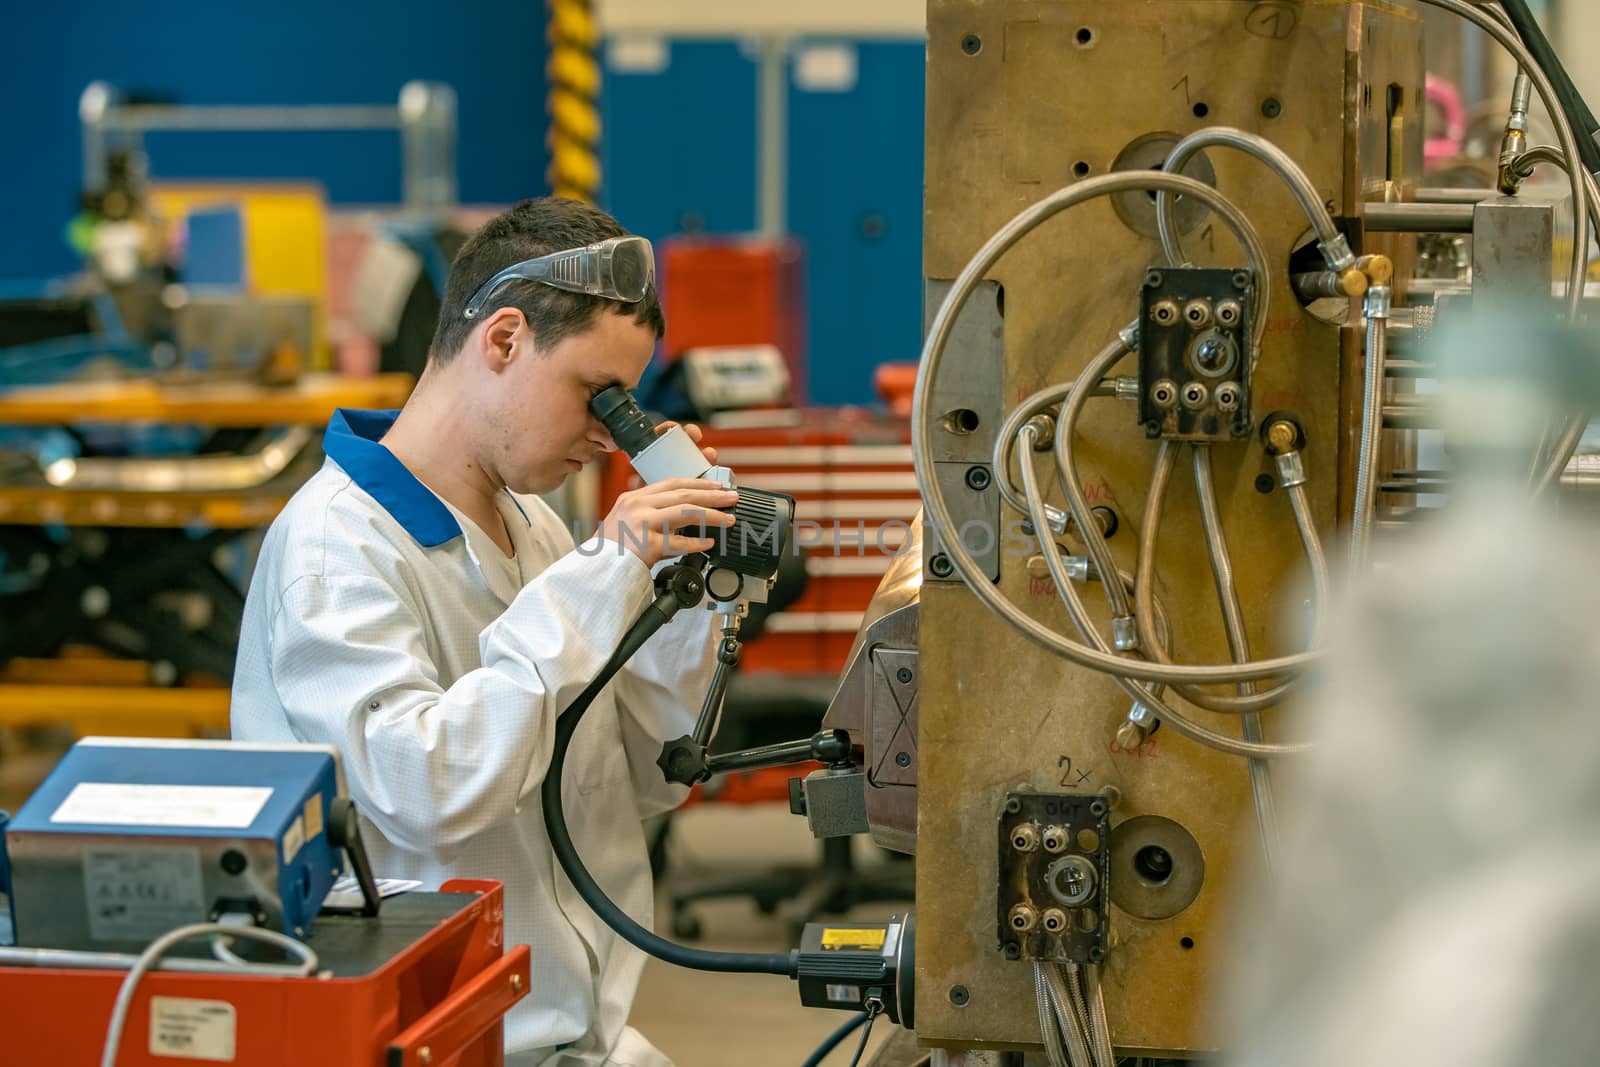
832, 1041
555, 822
866, 1032
1577, 112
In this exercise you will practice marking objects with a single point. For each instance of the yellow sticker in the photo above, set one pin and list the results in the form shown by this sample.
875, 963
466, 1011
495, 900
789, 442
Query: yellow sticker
841, 937
313, 816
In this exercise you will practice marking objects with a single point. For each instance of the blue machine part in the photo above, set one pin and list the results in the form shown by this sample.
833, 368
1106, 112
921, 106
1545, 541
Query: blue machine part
129, 838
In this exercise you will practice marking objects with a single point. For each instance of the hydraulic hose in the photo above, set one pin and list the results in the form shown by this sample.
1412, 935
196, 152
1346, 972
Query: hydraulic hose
1146, 696
1507, 39
1336, 251
1005, 443
1366, 501
1077, 503
1238, 644
1547, 471
1144, 584
1315, 556
923, 419
1572, 103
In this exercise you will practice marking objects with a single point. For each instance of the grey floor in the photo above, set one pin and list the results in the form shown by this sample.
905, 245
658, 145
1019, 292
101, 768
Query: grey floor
740, 1019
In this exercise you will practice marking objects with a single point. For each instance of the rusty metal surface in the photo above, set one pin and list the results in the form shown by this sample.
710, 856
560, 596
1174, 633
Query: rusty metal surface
1022, 98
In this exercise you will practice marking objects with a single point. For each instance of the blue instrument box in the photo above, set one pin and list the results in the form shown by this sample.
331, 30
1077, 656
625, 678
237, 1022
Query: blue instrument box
129, 838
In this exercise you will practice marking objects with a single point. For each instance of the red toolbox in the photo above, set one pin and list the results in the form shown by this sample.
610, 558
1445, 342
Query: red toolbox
424, 984
736, 291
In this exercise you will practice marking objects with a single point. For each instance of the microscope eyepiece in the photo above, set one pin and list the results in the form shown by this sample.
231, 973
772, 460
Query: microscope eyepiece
624, 420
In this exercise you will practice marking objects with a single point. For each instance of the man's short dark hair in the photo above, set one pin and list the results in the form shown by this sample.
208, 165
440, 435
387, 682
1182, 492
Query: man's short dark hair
532, 228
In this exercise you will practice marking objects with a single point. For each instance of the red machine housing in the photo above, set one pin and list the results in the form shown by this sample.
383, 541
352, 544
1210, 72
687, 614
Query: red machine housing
438, 1001
736, 291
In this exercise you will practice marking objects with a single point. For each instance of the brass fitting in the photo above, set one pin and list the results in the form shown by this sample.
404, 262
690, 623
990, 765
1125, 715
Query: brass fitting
1509, 178
1023, 918
1353, 282
1379, 270
1130, 735
1281, 436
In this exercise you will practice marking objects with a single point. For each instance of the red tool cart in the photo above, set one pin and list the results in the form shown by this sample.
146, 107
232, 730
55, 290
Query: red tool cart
424, 984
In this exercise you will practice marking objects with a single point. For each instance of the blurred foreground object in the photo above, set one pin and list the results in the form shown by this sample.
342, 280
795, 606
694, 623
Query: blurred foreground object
1435, 903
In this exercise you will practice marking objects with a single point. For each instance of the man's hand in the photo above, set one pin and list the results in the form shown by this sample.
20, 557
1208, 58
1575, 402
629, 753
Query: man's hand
646, 520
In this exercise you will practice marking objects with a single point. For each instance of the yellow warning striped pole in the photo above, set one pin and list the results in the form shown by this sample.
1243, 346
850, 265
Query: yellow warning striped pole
573, 74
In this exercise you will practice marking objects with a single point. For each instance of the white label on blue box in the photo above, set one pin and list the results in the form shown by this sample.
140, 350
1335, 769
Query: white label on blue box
188, 1029
215, 807
138, 894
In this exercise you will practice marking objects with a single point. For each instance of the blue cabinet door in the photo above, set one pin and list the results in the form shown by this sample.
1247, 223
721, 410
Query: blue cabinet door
680, 153
678, 137
855, 199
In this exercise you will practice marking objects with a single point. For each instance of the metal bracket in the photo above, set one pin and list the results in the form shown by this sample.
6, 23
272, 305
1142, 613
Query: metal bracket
968, 410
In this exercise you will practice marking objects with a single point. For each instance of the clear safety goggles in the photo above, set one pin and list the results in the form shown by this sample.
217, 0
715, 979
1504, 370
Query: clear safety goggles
622, 268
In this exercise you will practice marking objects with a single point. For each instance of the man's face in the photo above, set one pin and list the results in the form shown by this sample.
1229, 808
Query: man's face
545, 429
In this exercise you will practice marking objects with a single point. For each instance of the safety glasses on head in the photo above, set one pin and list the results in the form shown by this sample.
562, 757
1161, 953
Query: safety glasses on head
622, 268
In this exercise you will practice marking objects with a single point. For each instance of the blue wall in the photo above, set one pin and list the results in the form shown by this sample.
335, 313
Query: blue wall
291, 52
680, 152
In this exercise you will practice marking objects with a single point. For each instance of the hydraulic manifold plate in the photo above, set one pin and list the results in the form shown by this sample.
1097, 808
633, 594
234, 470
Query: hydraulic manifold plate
1054, 893
1194, 354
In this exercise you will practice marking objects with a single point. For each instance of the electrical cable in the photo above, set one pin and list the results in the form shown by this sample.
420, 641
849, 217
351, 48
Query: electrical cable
832, 1041
649, 621
874, 1009
223, 954
937, 508
221, 947
165, 943
1072, 1027
1078, 996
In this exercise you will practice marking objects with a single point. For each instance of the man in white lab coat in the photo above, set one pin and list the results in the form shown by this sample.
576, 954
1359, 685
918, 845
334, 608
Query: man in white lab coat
417, 606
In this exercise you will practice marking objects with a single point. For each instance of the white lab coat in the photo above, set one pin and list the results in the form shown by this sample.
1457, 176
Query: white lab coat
370, 625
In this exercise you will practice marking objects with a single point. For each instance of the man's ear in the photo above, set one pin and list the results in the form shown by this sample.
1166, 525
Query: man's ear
497, 344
